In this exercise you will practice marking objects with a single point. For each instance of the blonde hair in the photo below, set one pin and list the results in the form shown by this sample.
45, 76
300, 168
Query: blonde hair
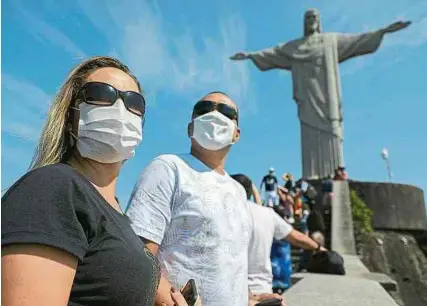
55, 141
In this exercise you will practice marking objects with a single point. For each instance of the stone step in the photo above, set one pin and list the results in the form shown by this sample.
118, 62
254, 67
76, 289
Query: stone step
295, 252
295, 257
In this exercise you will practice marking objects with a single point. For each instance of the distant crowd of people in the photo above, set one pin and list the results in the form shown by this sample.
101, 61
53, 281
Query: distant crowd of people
271, 230
295, 197
295, 201
189, 235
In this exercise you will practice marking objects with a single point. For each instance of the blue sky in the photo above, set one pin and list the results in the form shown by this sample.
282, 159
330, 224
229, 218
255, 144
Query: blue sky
179, 50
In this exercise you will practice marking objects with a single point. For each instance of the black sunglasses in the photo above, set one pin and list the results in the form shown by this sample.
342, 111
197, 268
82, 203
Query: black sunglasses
102, 94
205, 106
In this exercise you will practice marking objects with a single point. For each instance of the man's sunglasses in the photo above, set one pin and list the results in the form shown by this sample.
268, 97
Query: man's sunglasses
204, 106
102, 94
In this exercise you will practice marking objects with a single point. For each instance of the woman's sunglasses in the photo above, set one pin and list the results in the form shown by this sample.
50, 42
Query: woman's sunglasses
102, 94
204, 106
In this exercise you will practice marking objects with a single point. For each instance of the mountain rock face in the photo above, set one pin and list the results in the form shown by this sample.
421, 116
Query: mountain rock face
400, 256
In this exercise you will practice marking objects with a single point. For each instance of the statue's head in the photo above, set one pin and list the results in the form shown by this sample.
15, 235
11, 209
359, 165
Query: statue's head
311, 22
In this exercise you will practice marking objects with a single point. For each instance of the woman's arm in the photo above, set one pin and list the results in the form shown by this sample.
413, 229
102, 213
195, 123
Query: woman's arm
36, 275
166, 295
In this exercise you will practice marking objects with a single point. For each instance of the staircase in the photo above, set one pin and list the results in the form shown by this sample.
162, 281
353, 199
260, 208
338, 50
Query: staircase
295, 251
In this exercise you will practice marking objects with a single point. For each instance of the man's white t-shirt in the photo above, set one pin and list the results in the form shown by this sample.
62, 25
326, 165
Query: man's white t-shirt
202, 223
267, 225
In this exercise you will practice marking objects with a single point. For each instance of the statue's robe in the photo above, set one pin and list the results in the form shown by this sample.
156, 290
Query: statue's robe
314, 63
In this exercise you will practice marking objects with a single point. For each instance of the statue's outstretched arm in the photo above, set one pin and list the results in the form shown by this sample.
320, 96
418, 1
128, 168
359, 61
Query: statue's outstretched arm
396, 26
269, 58
240, 56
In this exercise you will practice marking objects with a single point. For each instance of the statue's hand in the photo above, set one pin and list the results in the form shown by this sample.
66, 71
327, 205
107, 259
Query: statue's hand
397, 26
239, 56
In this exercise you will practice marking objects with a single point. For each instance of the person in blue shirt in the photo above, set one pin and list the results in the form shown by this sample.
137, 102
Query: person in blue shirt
270, 182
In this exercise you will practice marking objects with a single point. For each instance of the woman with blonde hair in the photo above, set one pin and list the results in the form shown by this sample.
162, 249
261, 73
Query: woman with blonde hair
289, 181
65, 239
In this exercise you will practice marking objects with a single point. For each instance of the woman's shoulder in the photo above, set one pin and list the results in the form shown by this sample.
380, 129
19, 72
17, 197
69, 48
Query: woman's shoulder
59, 170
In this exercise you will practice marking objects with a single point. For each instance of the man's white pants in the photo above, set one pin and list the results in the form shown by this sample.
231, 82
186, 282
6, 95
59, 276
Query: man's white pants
271, 198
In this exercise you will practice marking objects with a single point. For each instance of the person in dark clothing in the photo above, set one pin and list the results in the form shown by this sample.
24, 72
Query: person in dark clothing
310, 194
270, 182
327, 189
327, 184
329, 262
65, 239
301, 184
289, 183
306, 254
316, 223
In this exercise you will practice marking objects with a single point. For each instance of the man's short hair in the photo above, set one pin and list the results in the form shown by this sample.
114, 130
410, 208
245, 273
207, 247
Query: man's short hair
211, 93
245, 181
218, 92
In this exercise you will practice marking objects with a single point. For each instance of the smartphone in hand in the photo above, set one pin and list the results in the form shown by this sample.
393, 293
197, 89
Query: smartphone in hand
190, 294
270, 302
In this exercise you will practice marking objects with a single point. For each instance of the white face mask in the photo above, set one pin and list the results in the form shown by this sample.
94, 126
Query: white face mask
108, 134
213, 131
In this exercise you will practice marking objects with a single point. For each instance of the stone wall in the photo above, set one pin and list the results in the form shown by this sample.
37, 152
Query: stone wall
395, 206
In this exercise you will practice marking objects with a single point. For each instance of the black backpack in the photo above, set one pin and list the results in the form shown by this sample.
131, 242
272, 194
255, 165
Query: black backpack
329, 262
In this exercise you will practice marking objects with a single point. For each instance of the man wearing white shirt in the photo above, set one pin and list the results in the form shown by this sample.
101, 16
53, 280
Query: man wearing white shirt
268, 225
193, 215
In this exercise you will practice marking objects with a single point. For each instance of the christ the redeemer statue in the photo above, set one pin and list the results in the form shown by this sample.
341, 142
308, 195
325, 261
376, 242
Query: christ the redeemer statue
313, 61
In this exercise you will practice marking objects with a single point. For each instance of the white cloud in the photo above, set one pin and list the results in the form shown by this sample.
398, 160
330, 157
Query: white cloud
45, 32
176, 63
365, 15
22, 131
26, 106
26, 93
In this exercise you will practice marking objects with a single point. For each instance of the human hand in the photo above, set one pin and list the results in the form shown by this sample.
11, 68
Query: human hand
266, 296
323, 249
397, 26
239, 56
177, 298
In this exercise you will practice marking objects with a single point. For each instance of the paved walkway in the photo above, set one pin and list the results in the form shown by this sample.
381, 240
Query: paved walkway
331, 290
